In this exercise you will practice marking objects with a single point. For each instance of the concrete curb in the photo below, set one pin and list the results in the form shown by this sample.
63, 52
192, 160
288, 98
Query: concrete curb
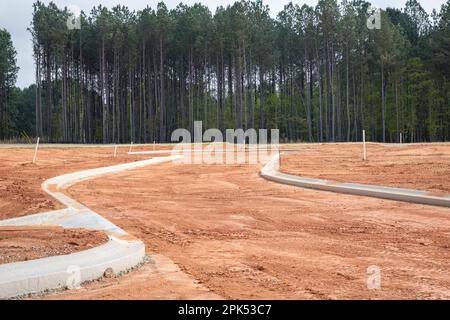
271, 172
21, 278
120, 254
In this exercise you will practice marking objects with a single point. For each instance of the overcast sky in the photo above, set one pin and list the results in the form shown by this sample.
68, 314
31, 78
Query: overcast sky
15, 16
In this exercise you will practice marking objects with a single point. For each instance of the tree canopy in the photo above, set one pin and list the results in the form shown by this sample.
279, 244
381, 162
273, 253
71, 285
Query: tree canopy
316, 73
8, 76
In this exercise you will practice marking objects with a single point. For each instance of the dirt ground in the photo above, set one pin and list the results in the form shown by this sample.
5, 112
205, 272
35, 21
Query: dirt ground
21, 194
223, 231
20, 180
244, 238
30, 243
424, 166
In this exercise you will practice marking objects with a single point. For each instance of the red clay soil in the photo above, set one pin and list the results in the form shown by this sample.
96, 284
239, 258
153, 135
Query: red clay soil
20, 180
419, 166
223, 231
242, 237
30, 243
158, 279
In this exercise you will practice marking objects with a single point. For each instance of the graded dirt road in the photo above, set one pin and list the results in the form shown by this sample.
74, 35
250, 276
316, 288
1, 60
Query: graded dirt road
244, 238
222, 231
20, 180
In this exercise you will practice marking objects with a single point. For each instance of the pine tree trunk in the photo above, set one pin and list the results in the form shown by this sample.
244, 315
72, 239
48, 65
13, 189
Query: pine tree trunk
103, 94
162, 120
261, 98
347, 96
383, 103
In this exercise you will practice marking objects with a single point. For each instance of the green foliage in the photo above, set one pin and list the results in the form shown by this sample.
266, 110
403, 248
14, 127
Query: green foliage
8, 75
316, 73
23, 111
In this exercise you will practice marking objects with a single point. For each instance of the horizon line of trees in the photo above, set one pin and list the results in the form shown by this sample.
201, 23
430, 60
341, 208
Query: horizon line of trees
316, 73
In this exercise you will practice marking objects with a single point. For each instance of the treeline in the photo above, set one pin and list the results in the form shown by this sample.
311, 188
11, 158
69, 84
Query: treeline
316, 73
17, 106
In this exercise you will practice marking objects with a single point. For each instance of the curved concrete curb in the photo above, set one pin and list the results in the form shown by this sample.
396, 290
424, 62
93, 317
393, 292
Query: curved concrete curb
17, 279
271, 172
121, 253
